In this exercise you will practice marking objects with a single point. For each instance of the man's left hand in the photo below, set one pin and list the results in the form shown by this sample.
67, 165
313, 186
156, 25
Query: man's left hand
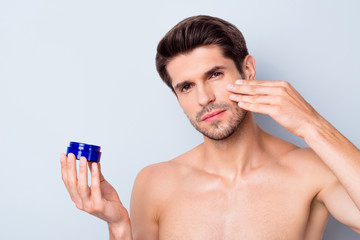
279, 100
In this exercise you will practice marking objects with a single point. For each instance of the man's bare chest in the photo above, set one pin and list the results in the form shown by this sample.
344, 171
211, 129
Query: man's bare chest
267, 208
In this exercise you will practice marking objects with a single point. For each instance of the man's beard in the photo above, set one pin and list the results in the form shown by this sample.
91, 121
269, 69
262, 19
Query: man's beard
217, 130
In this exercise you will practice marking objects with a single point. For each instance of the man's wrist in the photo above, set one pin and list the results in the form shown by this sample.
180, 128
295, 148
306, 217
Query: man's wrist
318, 126
120, 231
322, 130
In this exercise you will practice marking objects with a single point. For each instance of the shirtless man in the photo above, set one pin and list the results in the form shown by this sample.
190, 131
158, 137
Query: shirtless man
241, 182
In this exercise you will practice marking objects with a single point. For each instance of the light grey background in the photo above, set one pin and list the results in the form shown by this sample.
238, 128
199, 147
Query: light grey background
85, 71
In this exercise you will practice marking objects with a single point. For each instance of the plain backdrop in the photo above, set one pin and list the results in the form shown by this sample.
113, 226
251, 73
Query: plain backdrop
85, 71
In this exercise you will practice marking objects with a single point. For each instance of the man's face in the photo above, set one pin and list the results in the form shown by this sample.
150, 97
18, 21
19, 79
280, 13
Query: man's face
199, 79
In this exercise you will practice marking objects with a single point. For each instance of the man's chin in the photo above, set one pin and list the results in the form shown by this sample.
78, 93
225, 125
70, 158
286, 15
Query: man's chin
219, 134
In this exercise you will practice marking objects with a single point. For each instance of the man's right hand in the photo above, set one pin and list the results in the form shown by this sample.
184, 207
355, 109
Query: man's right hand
100, 199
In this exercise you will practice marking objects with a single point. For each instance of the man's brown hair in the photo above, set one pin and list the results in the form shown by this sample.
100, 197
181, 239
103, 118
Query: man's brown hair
199, 31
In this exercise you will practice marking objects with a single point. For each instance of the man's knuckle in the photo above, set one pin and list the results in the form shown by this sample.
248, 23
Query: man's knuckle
94, 174
252, 90
277, 109
71, 184
95, 184
82, 186
64, 178
284, 83
87, 208
98, 207
278, 99
79, 205
256, 99
281, 90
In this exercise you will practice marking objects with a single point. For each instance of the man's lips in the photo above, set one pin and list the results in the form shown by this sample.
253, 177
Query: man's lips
212, 115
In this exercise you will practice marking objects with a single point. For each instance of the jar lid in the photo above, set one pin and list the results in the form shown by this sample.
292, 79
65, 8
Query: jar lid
90, 152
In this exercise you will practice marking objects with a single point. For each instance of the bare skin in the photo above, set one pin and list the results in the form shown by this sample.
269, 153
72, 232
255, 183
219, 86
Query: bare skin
250, 185
273, 198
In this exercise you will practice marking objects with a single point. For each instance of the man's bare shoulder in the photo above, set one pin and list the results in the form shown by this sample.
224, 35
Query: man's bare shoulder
308, 166
163, 176
303, 164
305, 159
288, 154
169, 170
153, 185
156, 184
155, 173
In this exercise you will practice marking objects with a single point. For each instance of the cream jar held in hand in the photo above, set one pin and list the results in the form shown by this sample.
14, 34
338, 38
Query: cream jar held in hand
90, 152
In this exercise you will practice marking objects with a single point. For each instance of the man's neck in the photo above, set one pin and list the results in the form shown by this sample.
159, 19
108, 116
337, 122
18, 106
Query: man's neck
236, 155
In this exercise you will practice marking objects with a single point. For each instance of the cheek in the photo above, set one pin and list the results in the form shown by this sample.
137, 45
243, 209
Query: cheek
222, 94
187, 107
220, 87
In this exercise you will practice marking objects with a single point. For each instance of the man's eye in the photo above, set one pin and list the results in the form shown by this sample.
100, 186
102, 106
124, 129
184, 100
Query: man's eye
186, 88
216, 74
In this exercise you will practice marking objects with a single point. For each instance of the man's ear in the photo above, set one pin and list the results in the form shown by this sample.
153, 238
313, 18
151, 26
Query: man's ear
249, 68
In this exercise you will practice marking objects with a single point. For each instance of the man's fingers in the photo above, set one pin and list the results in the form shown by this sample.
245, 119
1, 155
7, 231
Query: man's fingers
101, 175
63, 161
95, 183
83, 187
259, 108
72, 181
263, 99
71, 168
255, 89
270, 83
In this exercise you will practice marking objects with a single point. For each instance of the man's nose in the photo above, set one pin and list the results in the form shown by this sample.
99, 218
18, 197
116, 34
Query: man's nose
205, 95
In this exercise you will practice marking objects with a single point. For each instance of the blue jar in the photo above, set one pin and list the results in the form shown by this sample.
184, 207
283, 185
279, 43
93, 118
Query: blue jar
91, 152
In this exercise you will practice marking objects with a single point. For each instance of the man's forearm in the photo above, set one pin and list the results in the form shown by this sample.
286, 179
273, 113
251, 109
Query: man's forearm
122, 232
339, 154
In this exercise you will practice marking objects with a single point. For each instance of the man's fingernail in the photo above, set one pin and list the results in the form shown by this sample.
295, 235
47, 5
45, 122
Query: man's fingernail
230, 86
239, 81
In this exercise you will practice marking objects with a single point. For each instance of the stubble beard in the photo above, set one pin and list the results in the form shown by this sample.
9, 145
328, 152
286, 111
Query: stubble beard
219, 130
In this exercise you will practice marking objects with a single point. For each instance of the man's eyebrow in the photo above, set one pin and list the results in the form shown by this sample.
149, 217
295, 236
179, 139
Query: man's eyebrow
214, 69
181, 84
206, 74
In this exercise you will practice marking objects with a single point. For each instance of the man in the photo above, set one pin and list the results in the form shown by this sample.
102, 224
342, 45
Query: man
240, 183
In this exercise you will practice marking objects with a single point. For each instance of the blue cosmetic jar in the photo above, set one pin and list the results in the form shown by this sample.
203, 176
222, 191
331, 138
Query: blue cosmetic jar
91, 152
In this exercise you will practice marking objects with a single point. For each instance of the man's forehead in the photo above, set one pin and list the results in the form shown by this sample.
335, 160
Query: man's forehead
195, 63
